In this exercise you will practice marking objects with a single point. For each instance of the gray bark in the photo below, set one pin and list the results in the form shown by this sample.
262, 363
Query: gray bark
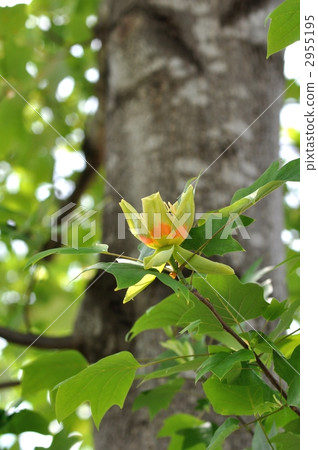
181, 81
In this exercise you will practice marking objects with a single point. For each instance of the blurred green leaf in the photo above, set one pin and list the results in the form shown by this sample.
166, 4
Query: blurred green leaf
47, 371
159, 398
197, 437
286, 440
62, 441
178, 422
293, 90
100, 248
22, 421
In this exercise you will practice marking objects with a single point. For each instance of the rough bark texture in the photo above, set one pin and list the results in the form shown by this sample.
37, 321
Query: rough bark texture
183, 80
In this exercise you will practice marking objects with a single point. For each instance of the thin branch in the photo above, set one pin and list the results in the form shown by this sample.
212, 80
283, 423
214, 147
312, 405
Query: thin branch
245, 425
28, 339
244, 344
9, 384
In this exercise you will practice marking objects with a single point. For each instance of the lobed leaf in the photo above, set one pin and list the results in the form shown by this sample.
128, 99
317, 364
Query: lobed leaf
130, 274
103, 384
248, 395
221, 229
234, 301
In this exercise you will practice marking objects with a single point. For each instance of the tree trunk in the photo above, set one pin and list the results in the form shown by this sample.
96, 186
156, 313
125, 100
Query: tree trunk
182, 81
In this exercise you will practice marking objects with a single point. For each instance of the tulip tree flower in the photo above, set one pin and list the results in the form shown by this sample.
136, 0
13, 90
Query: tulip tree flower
161, 225
164, 227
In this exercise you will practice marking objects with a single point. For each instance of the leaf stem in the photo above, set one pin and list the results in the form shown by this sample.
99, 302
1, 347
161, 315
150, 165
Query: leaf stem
172, 358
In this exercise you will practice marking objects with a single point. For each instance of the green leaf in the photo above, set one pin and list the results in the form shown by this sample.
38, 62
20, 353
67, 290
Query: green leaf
221, 363
129, 274
176, 423
275, 309
292, 89
221, 229
62, 441
175, 369
197, 437
293, 394
281, 418
249, 395
12, 19
227, 428
47, 371
103, 384
259, 441
293, 426
286, 440
243, 199
234, 301
270, 180
165, 313
287, 368
284, 28
22, 421
199, 316
159, 398
101, 248
286, 318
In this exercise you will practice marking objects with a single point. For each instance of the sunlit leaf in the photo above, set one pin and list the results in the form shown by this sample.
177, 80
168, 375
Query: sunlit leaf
103, 384
284, 28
